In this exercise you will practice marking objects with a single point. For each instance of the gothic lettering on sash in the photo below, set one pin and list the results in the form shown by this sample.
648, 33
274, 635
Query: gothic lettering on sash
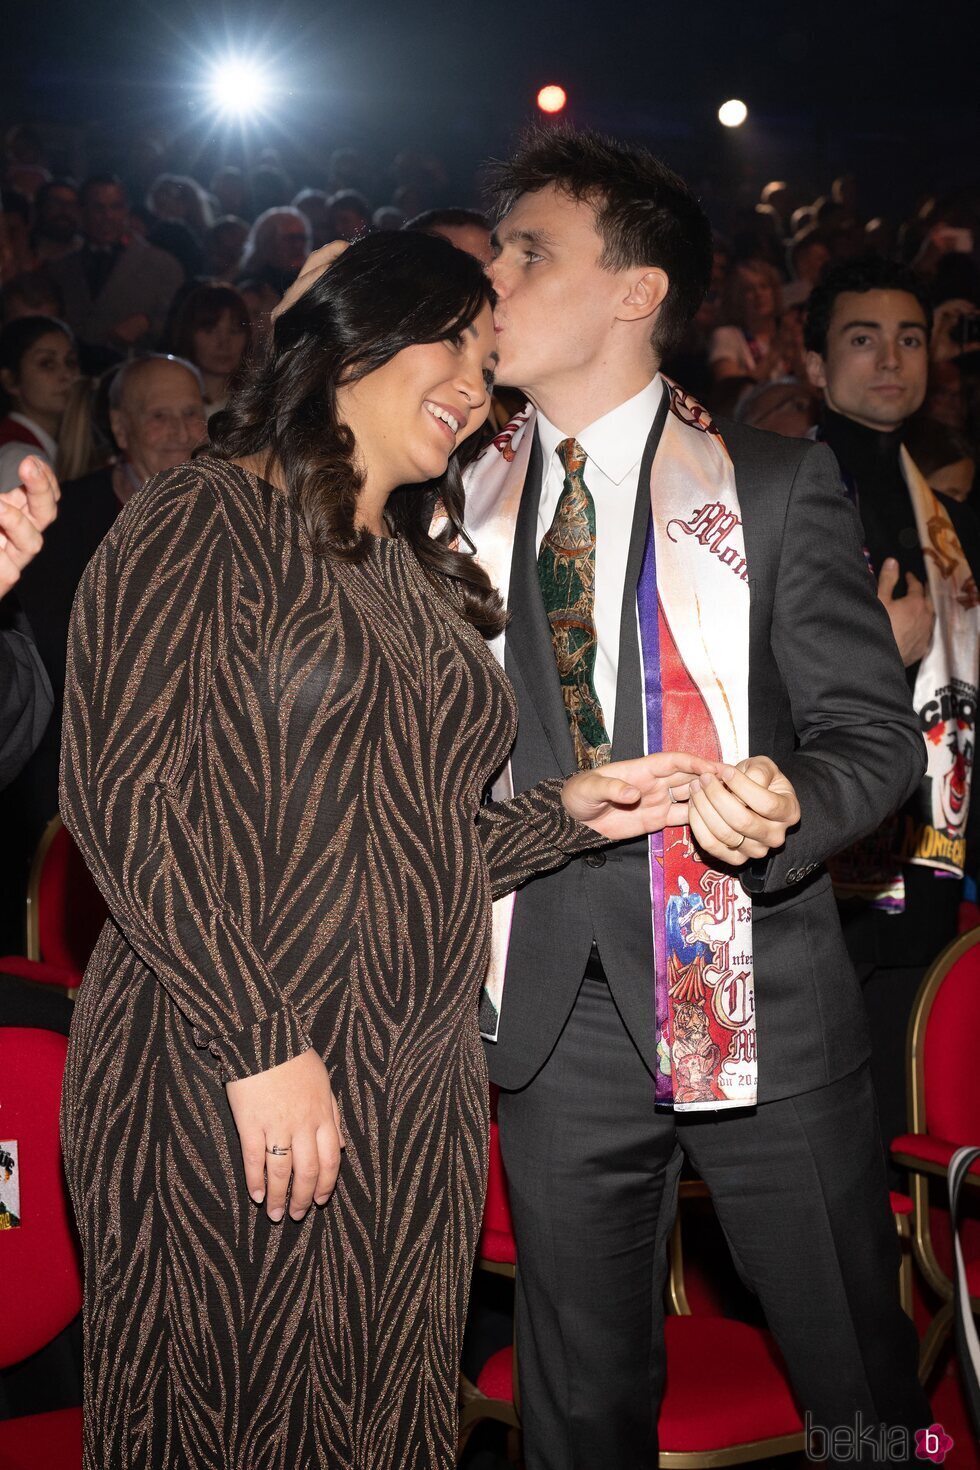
711, 525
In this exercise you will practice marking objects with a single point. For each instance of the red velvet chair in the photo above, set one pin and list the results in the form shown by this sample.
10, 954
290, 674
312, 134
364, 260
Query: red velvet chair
753, 1415
727, 1399
39, 1259
944, 1112
65, 914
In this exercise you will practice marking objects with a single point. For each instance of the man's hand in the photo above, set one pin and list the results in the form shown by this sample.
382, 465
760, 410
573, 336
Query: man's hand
321, 260
25, 512
632, 798
912, 616
742, 812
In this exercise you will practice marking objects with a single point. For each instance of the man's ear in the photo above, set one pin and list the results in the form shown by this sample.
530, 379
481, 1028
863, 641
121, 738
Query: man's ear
646, 292
8, 380
816, 370
117, 422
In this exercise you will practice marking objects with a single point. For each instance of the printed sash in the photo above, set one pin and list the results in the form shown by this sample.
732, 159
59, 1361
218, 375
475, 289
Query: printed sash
693, 613
930, 831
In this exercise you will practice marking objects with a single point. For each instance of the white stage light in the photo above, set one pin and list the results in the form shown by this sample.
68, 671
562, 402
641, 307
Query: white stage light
239, 86
732, 114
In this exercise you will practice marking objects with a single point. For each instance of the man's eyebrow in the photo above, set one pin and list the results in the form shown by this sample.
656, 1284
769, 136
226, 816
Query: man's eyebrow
529, 237
876, 326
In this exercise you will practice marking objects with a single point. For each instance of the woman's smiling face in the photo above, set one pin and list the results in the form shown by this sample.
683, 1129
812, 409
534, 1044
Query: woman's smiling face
409, 416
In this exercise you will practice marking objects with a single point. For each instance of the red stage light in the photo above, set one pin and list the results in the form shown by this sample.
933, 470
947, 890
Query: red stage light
552, 98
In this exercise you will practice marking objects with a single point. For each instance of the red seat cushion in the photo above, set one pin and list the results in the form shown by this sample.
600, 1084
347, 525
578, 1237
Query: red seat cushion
929, 1149
39, 972
39, 1260
53, 1441
497, 1246
725, 1386
900, 1203
496, 1377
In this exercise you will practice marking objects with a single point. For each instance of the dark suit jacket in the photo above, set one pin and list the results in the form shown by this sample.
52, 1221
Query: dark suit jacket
143, 279
828, 701
25, 693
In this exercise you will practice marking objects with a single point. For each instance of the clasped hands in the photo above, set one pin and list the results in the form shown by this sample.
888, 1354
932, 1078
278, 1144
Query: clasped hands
735, 813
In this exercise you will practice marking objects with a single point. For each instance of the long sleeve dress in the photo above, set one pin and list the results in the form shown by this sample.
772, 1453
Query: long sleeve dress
273, 763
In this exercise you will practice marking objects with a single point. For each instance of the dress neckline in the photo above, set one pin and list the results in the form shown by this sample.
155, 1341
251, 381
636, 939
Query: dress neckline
292, 522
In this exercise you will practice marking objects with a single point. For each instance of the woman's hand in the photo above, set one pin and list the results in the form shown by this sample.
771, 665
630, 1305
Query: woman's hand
288, 1107
631, 798
313, 267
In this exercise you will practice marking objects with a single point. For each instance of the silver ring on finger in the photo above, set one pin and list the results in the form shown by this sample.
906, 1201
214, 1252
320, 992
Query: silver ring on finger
673, 798
279, 1150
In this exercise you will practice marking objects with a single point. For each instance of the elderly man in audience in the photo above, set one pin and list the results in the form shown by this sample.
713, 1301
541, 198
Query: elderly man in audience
117, 290
157, 412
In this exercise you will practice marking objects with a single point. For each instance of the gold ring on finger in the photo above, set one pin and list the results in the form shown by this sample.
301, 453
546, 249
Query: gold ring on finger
738, 844
279, 1150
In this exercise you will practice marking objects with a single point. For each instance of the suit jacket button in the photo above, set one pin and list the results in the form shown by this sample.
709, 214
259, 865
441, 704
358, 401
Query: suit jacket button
595, 859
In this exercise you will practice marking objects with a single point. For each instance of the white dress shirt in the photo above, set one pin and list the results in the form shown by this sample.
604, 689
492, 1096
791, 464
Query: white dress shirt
614, 447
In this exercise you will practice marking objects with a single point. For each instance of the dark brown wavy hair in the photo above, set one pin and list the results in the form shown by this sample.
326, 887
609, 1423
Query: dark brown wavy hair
386, 292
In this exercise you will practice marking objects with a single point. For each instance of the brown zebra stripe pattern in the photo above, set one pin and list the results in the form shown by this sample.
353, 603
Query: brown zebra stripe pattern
273, 763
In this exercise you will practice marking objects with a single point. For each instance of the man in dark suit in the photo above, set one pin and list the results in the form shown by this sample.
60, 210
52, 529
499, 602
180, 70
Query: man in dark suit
117, 289
602, 256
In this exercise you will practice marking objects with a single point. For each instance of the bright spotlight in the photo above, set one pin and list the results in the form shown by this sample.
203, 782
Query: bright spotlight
552, 98
732, 114
239, 86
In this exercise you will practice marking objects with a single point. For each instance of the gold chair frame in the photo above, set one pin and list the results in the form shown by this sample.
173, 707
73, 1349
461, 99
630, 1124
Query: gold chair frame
33, 916
921, 1170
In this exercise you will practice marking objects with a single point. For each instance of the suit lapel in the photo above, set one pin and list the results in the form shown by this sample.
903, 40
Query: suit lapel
528, 647
628, 733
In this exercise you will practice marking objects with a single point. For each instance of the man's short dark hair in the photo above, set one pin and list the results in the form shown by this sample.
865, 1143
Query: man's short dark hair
98, 181
870, 273
433, 220
645, 213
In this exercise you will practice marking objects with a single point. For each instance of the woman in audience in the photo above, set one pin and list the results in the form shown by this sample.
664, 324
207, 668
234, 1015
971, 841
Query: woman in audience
746, 345
280, 720
213, 331
178, 197
38, 365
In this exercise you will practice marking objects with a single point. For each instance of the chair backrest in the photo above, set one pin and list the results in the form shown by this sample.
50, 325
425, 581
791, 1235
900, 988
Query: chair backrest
949, 1026
65, 910
39, 1257
497, 1235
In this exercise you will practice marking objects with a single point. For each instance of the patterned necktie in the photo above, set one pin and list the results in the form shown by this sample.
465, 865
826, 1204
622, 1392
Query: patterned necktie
566, 571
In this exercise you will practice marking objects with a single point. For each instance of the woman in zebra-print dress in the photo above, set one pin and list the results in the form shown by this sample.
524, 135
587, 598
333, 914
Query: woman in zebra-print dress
280, 720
